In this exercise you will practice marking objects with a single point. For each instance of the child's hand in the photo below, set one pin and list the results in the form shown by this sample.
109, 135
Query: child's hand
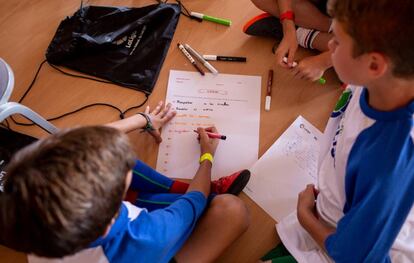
207, 145
312, 68
287, 48
306, 202
159, 117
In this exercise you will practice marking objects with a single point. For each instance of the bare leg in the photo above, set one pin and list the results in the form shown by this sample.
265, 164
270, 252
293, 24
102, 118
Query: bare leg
306, 13
321, 41
224, 221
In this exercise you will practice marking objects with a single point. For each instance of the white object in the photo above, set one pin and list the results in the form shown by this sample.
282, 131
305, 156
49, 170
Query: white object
285, 169
186, 54
294, 64
201, 59
198, 15
210, 57
9, 108
267, 103
230, 102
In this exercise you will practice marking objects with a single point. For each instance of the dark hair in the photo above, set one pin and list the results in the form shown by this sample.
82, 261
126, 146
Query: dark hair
384, 26
61, 193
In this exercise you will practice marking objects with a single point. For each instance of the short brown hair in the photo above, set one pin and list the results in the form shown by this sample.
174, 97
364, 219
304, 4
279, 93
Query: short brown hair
61, 192
384, 26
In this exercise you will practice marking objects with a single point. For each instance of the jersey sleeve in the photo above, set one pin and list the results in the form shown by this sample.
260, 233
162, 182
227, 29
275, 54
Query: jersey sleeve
161, 233
378, 203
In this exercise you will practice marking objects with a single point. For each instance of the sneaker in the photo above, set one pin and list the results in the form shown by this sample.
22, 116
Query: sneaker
232, 184
264, 25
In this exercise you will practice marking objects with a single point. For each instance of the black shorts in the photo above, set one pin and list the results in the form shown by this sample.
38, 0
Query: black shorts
321, 5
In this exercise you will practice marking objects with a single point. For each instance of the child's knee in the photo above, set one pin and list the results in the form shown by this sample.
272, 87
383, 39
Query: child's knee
262, 4
231, 209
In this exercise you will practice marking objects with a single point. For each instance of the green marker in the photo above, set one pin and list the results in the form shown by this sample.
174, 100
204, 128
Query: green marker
322, 80
221, 21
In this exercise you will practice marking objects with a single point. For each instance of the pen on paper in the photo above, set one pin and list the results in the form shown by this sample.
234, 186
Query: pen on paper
201, 59
321, 80
269, 90
215, 135
190, 58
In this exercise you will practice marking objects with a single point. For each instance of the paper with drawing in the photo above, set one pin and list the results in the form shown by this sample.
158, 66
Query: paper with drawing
230, 102
285, 169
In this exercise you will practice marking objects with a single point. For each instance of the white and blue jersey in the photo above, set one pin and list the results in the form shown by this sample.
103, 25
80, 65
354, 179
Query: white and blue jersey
141, 236
366, 184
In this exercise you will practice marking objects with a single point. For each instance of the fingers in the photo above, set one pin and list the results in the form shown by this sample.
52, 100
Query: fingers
211, 129
202, 134
301, 72
169, 116
165, 110
147, 110
157, 109
279, 58
291, 57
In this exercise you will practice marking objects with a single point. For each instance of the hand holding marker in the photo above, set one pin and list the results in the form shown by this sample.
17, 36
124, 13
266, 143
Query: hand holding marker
213, 135
321, 80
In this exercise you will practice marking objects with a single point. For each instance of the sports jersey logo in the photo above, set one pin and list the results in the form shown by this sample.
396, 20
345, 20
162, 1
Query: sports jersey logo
340, 108
335, 140
342, 103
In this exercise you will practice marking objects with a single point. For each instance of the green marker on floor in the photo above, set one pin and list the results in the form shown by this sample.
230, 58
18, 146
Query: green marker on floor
322, 80
221, 21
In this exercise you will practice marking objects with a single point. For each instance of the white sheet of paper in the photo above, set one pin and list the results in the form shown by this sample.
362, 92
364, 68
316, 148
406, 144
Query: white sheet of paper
285, 169
230, 102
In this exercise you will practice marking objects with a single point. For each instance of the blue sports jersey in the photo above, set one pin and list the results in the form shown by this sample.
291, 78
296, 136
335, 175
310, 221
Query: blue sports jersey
366, 182
141, 236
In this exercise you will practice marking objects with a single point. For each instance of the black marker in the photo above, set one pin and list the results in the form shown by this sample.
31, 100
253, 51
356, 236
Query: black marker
225, 58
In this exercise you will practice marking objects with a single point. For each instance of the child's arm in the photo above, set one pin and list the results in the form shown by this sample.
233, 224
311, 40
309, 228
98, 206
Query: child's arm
308, 218
159, 117
289, 44
202, 179
312, 68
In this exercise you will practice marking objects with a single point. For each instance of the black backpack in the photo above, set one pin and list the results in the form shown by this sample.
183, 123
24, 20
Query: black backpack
126, 46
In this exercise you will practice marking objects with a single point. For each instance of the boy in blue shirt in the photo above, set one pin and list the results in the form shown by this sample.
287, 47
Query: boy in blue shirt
63, 197
362, 207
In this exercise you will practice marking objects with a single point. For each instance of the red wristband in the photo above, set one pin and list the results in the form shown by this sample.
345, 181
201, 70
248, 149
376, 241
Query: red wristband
287, 15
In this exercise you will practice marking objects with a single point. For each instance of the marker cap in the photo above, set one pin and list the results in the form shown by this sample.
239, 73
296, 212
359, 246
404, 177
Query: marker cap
198, 15
267, 103
211, 68
210, 57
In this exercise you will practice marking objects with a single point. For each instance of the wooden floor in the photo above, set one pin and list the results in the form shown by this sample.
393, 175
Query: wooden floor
27, 27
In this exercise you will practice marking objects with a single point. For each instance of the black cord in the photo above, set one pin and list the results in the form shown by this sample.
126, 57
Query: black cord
184, 10
33, 81
121, 113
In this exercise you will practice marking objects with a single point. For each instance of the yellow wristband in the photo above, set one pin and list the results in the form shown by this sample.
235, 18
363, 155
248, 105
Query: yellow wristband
206, 156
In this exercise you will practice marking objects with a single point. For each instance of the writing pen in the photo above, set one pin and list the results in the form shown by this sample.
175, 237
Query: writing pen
190, 58
269, 90
321, 80
225, 58
214, 135
201, 59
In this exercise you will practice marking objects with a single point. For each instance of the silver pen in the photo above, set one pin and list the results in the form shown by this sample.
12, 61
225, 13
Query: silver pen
201, 59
